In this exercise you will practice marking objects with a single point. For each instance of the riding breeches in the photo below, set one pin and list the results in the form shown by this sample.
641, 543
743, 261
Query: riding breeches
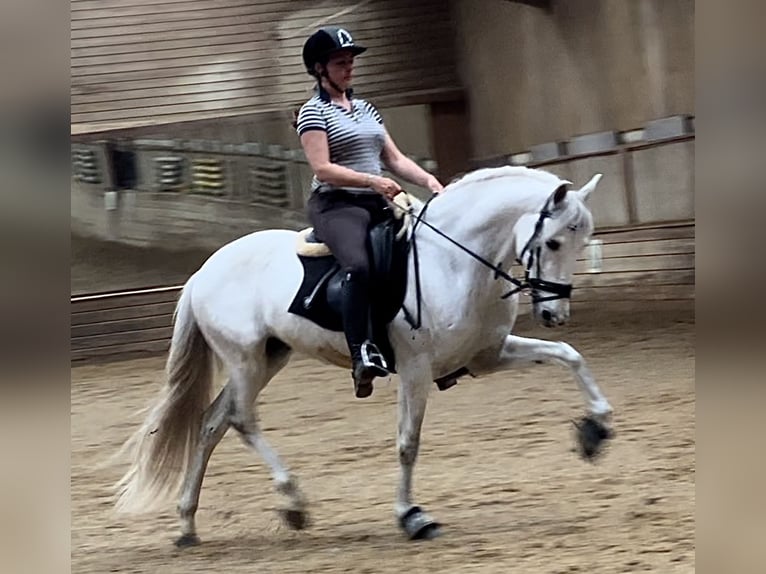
342, 221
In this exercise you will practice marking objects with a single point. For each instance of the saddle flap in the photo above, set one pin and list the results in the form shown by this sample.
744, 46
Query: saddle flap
320, 295
382, 241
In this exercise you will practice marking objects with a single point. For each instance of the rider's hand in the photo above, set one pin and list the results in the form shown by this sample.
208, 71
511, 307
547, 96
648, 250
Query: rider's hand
385, 186
432, 184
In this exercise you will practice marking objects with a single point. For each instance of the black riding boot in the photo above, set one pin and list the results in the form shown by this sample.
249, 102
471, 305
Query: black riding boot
367, 360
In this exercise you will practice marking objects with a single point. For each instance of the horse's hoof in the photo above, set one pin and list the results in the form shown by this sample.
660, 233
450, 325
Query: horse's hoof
295, 519
417, 525
591, 435
187, 540
431, 531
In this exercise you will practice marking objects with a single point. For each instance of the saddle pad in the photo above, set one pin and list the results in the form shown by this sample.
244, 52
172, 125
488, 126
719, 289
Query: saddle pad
305, 248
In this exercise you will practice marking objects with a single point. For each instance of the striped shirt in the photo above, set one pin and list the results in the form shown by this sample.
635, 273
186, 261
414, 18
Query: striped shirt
355, 138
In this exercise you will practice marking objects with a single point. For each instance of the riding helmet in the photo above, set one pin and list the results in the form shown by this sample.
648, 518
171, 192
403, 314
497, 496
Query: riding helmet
322, 43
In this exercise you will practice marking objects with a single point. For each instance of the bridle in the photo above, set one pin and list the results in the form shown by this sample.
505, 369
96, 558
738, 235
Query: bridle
535, 284
532, 285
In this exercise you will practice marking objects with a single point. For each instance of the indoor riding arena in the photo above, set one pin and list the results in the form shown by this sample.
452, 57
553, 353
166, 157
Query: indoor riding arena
497, 467
182, 140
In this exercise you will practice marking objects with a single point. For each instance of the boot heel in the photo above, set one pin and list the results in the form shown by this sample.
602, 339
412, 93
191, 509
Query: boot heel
362, 381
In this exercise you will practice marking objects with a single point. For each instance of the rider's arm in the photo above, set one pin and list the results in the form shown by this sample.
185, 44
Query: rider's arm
317, 152
405, 168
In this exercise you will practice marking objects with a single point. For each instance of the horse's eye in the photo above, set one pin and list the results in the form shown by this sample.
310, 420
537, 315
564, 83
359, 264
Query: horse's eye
552, 244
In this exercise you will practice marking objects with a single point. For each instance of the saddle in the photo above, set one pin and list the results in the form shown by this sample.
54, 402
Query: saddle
319, 296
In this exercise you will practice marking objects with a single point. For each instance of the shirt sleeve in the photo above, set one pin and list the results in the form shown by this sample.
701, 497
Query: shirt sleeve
310, 118
373, 111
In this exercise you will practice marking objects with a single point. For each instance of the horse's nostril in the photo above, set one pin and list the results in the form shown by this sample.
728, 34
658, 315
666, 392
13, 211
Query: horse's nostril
546, 315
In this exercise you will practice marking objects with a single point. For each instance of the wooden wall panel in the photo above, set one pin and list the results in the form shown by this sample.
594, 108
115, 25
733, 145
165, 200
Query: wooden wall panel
650, 263
582, 67
639, 265
151, 62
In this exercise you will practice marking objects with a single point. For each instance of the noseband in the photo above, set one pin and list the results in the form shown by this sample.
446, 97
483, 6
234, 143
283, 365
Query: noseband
532, 285
535, 284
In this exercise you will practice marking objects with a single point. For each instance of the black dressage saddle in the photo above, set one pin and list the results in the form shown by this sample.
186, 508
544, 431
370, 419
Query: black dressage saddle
320, 293
319, 296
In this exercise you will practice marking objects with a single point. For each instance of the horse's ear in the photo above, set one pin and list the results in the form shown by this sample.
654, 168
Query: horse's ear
589, 187
560, 194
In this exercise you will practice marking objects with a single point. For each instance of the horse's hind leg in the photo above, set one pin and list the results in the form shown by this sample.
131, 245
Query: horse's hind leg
215, 423
237, 396
295, 511
244, 420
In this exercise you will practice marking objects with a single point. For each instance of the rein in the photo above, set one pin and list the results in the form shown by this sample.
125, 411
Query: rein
535, 285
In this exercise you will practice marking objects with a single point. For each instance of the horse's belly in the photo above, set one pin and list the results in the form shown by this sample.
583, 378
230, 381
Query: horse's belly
455, 348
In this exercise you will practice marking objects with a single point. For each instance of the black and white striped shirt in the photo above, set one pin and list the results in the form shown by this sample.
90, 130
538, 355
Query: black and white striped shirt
355, 138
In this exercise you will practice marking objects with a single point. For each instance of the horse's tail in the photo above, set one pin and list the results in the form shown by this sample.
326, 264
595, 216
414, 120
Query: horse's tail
162, 447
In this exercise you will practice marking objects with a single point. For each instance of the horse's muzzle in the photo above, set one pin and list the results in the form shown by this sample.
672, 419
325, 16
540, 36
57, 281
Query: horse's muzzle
550, 319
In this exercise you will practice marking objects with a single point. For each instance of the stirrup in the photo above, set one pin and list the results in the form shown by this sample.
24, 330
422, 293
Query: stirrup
374, 360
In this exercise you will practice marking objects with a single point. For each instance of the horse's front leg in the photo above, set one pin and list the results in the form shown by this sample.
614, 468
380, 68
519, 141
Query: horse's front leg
415, 384
518, 351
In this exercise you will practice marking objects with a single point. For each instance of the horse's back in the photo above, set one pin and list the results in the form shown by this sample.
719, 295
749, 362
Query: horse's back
254, 250
247, 280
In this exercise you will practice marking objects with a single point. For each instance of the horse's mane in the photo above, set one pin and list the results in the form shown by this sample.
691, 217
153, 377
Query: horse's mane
487, 173
577, 213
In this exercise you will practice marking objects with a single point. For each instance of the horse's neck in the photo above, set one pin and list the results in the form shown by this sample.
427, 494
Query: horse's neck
482, 217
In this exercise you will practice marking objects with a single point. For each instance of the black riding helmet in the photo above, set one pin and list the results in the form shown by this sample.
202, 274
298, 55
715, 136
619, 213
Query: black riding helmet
322, 43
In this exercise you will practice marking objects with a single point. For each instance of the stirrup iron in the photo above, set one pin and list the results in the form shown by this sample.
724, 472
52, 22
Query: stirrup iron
373, 359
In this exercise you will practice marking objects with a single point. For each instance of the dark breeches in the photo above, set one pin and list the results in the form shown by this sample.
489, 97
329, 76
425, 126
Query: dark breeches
342, 222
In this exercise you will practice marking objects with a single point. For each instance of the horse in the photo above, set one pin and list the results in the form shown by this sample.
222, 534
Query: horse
231, 317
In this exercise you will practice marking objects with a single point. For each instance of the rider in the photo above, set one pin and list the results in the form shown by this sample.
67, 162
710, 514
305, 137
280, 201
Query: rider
346, 143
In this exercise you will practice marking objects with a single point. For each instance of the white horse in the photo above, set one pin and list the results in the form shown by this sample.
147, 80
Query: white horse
233, 313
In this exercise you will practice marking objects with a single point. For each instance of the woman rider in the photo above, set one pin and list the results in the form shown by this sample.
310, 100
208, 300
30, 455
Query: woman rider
346, 143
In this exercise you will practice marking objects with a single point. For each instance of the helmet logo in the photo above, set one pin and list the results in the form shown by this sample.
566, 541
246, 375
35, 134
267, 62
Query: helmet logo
344, 38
